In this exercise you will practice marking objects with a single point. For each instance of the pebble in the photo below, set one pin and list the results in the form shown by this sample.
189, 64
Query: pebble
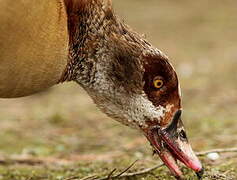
213, 156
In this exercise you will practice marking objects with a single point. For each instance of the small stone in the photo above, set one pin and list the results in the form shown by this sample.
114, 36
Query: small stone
213, 156
139, 155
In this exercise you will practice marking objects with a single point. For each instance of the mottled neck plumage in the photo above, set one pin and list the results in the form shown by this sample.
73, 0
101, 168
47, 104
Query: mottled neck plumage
97, 36
107, 59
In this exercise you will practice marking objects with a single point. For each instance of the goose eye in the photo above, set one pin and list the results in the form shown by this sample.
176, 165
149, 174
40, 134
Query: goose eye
158, 82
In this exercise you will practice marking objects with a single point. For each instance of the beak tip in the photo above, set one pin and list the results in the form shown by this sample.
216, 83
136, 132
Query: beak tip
196, 165
200, 173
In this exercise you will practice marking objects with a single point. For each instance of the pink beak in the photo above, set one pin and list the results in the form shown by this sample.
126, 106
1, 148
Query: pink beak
171, 144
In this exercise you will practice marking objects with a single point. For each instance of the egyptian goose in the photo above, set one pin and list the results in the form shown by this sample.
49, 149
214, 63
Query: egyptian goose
48, 42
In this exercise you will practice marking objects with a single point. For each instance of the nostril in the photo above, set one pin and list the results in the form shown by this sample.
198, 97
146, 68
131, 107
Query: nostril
183, 135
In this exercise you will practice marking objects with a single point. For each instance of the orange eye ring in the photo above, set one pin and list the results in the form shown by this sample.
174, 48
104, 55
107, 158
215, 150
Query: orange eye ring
158, 83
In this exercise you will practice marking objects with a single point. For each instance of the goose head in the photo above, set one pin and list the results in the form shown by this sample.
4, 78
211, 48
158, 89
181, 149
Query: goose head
128, 79
143, 92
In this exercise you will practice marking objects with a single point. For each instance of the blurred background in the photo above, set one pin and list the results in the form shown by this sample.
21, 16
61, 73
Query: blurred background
62, 123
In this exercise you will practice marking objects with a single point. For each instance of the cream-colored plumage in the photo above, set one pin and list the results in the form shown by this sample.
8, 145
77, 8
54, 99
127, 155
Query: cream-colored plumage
33, 45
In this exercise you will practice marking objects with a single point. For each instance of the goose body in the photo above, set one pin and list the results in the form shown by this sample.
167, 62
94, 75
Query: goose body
33, 46
44, 42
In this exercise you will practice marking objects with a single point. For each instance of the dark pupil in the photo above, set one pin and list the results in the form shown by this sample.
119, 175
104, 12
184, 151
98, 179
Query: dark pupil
183, 134
159, 83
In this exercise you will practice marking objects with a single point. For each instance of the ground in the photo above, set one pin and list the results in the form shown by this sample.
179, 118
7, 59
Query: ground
70, 138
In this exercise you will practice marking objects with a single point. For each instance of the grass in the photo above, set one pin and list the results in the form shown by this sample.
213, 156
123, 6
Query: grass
63, 125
